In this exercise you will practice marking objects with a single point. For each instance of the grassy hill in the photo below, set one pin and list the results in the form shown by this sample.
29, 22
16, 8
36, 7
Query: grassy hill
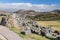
41, 16
47, 16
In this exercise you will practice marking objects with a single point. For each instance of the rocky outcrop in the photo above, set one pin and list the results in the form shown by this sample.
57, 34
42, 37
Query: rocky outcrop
3, 21
12, 22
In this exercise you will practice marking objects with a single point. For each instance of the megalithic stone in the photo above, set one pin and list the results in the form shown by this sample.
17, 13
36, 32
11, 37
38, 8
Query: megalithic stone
3, 21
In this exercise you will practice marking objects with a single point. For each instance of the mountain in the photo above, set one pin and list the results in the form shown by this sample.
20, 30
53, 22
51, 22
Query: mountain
56, 11
47, 16
52, 15
24, 11
4, 13
28, 12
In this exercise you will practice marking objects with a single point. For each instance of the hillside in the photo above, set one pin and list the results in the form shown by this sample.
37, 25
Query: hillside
41, 16
47, 16
28, 12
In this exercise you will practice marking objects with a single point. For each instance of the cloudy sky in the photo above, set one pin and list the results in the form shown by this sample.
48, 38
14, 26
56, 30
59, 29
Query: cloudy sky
37, 5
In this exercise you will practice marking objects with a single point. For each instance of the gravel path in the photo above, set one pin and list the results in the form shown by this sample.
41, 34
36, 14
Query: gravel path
9, 35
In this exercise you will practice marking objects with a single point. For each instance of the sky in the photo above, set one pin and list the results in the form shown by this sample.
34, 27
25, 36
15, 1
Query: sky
37, 5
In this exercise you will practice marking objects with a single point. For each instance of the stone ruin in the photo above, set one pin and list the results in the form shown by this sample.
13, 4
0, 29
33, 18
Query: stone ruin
57, 34
29, 26
46, 31
3, 21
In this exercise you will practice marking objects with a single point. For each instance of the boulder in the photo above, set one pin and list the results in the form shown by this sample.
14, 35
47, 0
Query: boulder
3, 21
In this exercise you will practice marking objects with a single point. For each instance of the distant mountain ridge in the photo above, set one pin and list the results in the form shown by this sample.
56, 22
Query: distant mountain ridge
52, 15
24, 11
47, 16
58, 11
27, 11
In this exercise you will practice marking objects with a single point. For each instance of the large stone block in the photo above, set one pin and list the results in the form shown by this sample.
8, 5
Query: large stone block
3, 21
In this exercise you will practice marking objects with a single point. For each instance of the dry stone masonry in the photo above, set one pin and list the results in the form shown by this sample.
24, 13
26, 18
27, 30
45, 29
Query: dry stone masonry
28, 26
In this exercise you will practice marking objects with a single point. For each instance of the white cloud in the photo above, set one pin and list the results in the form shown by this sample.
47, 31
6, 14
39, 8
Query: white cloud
27, 6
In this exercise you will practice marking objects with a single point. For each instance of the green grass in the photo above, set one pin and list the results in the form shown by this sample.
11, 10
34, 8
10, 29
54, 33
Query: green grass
16, 31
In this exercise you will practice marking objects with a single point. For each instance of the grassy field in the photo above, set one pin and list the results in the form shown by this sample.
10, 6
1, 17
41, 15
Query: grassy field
54, 24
